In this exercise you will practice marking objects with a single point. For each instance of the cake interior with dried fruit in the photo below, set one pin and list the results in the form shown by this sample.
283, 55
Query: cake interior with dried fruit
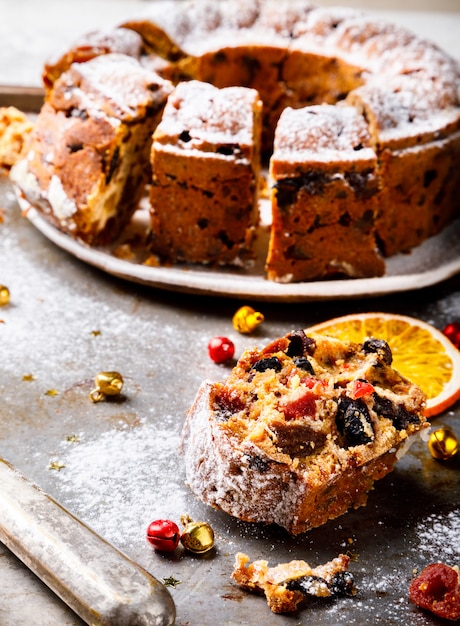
300, 430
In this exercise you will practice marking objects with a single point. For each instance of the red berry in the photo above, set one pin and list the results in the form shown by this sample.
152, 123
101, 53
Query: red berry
452, 332
163, 534
221, 349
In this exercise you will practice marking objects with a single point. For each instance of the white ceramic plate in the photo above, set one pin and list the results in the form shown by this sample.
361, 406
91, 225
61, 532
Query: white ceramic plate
435, 260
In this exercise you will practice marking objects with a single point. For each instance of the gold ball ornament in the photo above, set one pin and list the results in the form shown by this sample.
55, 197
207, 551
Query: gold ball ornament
443, 444
4, 295
197, 537
107, 384
246, 319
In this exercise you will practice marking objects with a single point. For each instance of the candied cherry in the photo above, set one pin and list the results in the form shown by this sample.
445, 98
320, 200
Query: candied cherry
163, 534
221, 349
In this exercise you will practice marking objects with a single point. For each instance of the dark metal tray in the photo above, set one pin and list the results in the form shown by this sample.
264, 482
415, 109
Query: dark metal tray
120, 467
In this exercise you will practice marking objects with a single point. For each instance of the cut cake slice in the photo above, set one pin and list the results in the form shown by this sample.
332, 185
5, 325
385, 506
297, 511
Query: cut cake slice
300, 430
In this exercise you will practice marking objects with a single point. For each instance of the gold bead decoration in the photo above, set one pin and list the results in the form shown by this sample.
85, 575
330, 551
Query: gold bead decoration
107, 384
197, 537
4, 295
246, 319
443, 444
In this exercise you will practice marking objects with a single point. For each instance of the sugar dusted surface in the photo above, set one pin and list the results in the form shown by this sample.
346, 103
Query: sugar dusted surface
210, 114
325, 131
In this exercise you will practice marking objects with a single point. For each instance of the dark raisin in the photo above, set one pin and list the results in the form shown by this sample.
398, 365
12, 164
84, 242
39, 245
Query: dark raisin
185, 136
354, 422
75, 147
429, 177
308, 585
258, 464
203, 223
403, 418
342, 584
228, 149
363, 183
380, 347
286, 193
304, 364
384, 407
300, 344
113, 165
314, 181
270, 363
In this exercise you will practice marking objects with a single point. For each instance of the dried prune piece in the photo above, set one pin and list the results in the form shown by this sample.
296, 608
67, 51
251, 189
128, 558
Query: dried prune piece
343, 584
304, 364
380, 347
300, 344
354, 422
437, 589
270, 363
403, 418
309, 585
384, 407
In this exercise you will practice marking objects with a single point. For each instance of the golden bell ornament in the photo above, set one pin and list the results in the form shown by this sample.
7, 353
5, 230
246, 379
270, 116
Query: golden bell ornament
107, 384
443, 444
246, 319
197, 537
4, 295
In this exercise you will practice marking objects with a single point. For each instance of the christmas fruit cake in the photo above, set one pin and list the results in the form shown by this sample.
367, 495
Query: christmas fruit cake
86, 162
300, 430
205, 162
289, 587
324, 198
296, 56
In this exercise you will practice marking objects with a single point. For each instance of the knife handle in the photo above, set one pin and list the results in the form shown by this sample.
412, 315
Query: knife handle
101, 584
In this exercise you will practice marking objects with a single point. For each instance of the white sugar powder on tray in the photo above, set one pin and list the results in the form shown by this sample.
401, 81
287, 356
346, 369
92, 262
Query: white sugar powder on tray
122, 480
439, 537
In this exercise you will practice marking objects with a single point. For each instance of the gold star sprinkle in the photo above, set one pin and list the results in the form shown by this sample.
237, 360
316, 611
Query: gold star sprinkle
170, 581
52, 392
73, 438
56, 465
95, 333
28, 377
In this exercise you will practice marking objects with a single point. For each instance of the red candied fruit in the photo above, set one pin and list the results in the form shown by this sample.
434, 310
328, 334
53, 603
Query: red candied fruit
437, 589
362, 388
303, 406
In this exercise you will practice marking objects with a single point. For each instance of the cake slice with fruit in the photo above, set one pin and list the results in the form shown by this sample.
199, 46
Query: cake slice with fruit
300, 430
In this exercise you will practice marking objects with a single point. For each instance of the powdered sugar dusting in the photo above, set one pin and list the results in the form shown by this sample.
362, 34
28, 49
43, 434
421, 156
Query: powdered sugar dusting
122, 480
439, 537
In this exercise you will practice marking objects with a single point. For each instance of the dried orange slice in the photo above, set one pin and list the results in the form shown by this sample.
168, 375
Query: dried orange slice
421, 352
